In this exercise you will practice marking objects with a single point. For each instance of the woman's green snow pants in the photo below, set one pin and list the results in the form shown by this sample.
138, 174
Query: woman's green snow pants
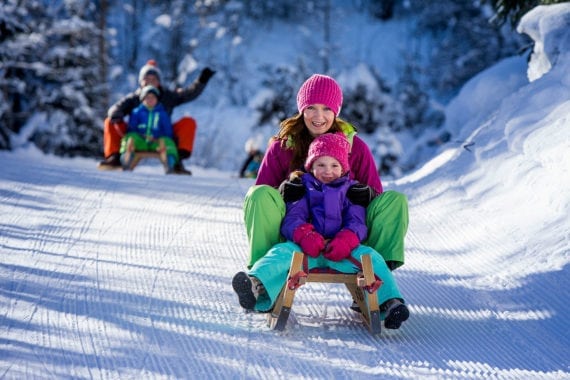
386, 218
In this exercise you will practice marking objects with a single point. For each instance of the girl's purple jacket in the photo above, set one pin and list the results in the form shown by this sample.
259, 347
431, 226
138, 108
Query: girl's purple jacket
327, 208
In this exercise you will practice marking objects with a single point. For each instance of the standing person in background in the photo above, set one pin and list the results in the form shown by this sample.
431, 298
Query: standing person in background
252, 162
184, 129
319, 102
149, 125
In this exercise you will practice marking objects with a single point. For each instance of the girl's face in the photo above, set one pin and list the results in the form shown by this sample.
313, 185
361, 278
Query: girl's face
150, 100
326, 169
318, 118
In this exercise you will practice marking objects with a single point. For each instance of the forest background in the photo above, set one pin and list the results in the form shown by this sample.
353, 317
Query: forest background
63, 63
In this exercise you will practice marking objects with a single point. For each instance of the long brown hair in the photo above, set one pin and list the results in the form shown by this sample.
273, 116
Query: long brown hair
294, 135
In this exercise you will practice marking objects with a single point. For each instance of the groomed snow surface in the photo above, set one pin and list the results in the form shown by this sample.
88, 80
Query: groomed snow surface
111, 275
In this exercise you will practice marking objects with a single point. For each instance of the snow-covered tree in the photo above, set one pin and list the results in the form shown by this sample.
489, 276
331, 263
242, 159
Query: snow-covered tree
387, 150
52, 64
369, 101
382, 9
276, 101
15, 26
513, 10
465, 41
415, 101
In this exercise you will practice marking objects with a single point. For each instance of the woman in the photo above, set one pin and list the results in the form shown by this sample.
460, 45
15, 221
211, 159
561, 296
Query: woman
319, 101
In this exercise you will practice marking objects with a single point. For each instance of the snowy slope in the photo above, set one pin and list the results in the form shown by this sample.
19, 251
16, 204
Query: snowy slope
112, 275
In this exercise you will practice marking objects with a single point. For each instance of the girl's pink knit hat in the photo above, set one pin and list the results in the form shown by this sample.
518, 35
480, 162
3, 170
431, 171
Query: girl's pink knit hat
329, 144
320, 89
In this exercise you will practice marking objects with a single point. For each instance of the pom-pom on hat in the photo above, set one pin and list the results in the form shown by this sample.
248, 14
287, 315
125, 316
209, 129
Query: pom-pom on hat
329, 144
320, 89
147, 90
151, 68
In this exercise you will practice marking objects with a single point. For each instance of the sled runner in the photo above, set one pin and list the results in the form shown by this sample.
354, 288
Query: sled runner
362, 286
134, 157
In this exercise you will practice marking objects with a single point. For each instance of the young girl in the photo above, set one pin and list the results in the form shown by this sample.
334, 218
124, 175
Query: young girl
148, 124
327, 227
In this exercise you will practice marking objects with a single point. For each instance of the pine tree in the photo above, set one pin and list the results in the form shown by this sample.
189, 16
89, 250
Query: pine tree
513, 10
51, 64
17, 48
465, 42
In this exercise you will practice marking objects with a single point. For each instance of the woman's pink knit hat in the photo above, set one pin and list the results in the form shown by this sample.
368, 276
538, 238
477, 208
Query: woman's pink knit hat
320, 89
329, 144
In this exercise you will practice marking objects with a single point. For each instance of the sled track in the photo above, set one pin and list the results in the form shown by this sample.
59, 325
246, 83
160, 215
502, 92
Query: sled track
128, 275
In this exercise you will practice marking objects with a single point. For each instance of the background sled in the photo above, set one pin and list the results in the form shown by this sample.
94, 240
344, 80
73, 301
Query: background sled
137, 156
362, 286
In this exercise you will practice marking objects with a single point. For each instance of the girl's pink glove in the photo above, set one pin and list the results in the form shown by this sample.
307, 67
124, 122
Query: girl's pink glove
341, 245
310, 241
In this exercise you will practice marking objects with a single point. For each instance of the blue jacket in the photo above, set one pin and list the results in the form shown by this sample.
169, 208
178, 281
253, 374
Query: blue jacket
327, 208
153, 123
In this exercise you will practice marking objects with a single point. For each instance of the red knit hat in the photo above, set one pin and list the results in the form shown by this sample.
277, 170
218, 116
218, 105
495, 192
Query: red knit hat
329, 144
320, 89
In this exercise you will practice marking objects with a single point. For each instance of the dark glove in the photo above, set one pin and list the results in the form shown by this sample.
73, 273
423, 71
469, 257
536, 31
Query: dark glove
292, 190
310, 241
341, 245
205, 75
117, 117
360, 194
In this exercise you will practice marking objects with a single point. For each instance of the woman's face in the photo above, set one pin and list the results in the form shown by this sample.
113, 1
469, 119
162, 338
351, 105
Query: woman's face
318, 119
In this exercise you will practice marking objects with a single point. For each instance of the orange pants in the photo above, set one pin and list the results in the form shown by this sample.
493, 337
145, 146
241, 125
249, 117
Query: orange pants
184, 134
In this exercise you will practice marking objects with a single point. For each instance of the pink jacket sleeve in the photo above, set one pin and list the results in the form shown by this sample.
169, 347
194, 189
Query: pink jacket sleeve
274, 168
362, 165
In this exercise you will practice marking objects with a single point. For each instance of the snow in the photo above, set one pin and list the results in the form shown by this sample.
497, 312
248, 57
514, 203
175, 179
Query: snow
548, 27
114, 275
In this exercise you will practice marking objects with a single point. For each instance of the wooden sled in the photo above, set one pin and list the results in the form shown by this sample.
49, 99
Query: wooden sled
139, 155
362, 286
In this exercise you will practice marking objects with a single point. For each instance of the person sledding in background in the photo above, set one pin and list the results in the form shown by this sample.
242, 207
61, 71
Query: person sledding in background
319, 102
149, 125
328, 228
252, 162
184, 129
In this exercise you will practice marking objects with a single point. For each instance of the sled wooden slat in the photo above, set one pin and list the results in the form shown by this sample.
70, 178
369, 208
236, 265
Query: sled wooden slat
139, 155
355, 283
372, 314
278, 317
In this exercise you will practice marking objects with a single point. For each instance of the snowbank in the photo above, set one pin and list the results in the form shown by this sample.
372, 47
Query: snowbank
511, 149
549, 27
